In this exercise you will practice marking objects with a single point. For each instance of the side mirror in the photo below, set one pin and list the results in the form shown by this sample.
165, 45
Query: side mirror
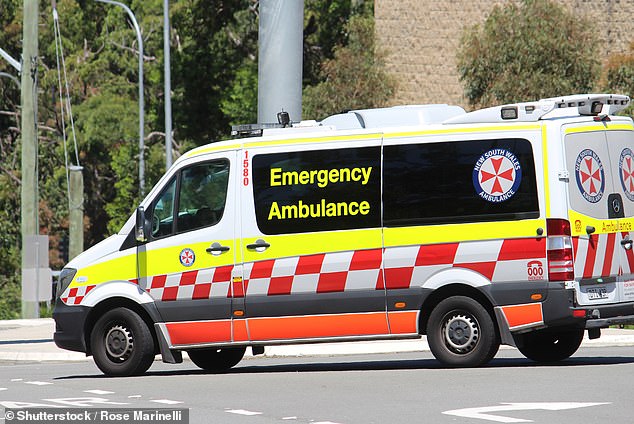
140, 229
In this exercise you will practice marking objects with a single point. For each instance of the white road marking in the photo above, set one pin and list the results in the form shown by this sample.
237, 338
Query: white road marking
98, 392
482, 413
38, 383
166, 401
289, 418
85, 402
3, 388
16, 379
134, 396
242, 412
325, 422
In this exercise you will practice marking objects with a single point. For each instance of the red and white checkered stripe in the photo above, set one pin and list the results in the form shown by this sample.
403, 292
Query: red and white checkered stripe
195, 284
599, 256
321, 273
74, 296
496, 260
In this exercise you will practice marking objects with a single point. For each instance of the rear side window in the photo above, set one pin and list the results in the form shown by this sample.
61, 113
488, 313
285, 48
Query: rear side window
317, 190
454, 182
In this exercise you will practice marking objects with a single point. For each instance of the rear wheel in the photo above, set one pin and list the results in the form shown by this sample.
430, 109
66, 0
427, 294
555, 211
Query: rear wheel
216, 359
461, 333
550, 345
121, 343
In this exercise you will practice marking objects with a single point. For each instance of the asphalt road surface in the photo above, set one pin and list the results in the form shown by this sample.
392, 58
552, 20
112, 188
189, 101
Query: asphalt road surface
595, 385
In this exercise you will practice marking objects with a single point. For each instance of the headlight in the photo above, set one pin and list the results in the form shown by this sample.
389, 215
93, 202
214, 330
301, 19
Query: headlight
65, 277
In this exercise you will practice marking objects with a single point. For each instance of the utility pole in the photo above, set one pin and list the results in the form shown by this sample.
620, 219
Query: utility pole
167, 84
76, 213
29, 194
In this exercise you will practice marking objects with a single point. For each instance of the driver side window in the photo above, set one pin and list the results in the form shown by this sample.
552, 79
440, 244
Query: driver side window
194, 199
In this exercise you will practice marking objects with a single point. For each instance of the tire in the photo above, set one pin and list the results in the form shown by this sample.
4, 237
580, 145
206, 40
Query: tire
122, 344
550, 345
217, 359
461, 333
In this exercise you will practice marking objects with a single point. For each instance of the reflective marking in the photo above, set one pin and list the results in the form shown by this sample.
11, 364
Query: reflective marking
38, 383
166, 401
243, 412
98, 392
482, 412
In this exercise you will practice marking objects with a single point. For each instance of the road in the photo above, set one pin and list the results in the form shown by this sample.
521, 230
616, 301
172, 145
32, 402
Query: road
592, 386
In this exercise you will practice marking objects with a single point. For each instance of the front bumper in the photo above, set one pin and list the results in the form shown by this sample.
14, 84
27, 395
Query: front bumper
69, 326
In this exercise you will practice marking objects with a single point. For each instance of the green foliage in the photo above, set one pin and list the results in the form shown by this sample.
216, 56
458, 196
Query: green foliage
531, 50
354, 78
618, 76
214, 85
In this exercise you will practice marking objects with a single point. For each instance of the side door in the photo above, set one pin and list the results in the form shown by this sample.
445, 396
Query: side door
596, 208
311, 241
187, 264
460, 210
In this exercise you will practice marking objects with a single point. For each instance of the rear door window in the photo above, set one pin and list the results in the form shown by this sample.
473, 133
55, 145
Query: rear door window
591, 174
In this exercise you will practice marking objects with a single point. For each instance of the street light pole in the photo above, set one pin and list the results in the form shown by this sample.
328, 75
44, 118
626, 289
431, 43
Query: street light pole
141, 103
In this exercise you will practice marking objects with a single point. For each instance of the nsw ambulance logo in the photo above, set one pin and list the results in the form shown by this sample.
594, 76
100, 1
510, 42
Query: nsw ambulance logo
590, 175
626, 172
497, 175
187, 257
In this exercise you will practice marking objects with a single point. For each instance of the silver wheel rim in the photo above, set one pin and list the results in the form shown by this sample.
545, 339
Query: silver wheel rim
119, 343
460, 333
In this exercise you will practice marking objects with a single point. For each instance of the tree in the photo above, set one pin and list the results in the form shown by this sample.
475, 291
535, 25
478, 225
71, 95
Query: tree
531, 50
354, 78
618, 75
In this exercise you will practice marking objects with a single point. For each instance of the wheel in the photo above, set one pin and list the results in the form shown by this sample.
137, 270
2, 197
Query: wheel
461, 333
550, 345
216, 359
122, 344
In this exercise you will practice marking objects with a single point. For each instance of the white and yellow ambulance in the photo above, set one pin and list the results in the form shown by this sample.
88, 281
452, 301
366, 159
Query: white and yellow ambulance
504, 225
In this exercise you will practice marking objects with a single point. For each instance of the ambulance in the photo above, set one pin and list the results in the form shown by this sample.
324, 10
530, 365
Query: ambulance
507, 225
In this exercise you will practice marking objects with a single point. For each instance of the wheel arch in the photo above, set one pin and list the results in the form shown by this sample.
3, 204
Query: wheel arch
454, 289
146, 311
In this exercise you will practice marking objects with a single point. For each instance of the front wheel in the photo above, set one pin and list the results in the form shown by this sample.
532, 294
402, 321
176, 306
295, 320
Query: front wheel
217, 359
122, 344
550, 345
461, 333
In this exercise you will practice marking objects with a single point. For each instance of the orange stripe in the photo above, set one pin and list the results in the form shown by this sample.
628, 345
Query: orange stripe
403, 322
520, 315
308, 327
185, 333
240, 333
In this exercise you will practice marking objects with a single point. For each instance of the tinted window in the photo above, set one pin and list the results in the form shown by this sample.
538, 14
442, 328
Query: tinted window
463, 181
317, 190
201, 194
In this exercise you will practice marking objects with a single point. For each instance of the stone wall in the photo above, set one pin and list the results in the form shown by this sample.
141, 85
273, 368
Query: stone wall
420, 38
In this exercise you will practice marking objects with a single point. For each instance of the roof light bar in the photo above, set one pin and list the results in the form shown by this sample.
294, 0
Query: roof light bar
586, 105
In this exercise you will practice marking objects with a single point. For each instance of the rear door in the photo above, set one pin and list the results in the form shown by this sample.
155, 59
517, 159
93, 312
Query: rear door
598, 159
621, 148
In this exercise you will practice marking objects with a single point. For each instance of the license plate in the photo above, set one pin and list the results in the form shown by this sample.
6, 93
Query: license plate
597, 293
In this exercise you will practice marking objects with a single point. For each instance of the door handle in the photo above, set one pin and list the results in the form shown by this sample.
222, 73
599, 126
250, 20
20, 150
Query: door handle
627, 244
216, 248
259, 245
